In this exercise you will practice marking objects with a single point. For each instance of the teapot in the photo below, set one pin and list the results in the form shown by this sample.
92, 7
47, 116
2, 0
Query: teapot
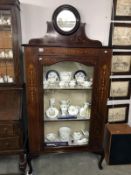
64, 107
84, 111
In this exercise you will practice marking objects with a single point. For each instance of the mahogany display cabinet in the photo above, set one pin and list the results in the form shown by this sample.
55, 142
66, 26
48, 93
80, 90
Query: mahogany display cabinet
67, 85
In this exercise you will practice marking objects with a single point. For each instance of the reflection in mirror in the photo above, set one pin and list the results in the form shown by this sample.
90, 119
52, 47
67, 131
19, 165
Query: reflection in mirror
66, 20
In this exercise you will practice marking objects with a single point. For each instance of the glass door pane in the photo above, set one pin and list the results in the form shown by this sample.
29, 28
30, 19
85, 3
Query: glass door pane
67, 103
6, 48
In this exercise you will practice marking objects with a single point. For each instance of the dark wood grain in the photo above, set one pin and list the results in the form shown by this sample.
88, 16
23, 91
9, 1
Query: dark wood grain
55, 48
11, 94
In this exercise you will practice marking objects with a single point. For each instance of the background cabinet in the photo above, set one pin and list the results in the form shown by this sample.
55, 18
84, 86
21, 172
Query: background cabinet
117, 144
11, 87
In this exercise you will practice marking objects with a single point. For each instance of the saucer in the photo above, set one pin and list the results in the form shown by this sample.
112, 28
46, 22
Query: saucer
51, 137
82, 141
73, 110
52, 112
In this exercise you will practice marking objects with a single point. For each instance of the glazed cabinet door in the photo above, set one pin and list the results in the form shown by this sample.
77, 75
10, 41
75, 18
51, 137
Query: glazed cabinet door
67, 93
10, 40
67, 103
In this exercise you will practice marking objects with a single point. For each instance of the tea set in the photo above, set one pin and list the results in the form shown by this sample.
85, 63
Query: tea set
5, 20
67, 110
67, 79
6, 79
65, 134
6, 53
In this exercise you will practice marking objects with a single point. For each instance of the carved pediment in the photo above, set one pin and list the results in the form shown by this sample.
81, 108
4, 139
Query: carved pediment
77, 39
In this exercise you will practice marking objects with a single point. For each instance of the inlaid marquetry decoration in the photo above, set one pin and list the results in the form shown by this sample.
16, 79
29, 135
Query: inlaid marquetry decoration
31, 81
103, 81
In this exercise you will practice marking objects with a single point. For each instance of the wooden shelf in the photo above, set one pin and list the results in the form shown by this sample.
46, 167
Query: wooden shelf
59, 120
68, 88
5, 27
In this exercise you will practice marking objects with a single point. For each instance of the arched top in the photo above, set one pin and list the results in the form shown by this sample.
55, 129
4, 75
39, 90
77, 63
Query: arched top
77, 39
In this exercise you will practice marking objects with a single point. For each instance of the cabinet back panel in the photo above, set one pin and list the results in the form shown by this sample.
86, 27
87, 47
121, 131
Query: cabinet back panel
10, 105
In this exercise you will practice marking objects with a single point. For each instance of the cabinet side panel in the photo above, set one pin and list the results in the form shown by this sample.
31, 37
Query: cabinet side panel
32, 91
100, 95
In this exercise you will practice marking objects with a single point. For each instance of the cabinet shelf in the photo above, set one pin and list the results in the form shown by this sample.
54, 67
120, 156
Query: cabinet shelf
6, 59
65, 120
68, 88
57, 145
5, 27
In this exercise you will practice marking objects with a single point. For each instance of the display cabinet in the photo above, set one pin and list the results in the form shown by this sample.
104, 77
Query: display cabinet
67, 82
11, 85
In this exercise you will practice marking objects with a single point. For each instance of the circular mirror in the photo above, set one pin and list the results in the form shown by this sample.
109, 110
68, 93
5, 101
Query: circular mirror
66, 19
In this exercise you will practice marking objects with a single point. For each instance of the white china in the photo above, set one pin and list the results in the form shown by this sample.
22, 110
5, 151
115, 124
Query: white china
10, 79
85, 133
2, 54
1, 80
52, 137
77, 135
10, 54
82, 141
63, 84
8, 21
52, 77
73, 110
87, 83
80, 80
52, 112
52, 102
80, 77
65, 76
45, 82
64, 133
84, 111
5, 78
72, 83
64, 107
51, 80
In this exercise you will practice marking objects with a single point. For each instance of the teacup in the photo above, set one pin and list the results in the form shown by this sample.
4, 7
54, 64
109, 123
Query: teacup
77, 135
65, 133
72, 83
80, 80
65, 76
63, 84
87, 83
51, 80
1, 80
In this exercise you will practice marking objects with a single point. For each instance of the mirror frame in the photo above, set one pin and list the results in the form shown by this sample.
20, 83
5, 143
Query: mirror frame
59, 10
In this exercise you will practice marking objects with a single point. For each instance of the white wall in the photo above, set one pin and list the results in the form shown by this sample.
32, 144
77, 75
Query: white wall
35, 13
95, 13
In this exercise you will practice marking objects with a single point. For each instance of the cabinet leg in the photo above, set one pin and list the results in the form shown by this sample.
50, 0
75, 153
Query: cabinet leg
29, 164
101, 160
22, 163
